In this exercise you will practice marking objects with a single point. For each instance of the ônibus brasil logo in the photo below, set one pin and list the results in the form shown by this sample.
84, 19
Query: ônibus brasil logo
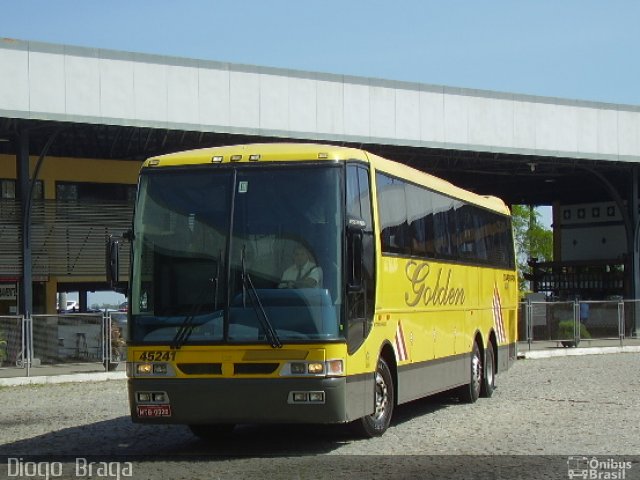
592, 468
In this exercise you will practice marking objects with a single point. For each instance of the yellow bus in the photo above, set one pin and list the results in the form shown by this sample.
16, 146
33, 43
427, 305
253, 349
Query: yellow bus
310, 283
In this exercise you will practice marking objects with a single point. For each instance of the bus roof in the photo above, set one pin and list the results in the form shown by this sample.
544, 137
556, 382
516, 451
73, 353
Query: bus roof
278, 152
268, 152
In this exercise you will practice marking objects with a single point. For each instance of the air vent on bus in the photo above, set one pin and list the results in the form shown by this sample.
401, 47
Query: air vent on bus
201, 368
254, 368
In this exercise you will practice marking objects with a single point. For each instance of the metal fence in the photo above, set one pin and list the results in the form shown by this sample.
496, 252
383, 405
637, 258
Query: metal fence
570, 323
85, 342
59, 344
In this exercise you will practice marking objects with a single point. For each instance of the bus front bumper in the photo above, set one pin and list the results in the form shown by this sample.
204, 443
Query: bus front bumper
232, 400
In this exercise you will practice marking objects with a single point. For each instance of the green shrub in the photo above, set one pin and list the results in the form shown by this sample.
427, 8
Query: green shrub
3, 347
565, 331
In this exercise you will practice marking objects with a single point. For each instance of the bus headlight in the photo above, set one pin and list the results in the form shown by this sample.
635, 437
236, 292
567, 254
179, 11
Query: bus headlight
300, 397
144, 397
146, 369
330, 368
335, 367
316, 397
315, 368
306, 398
160, 368
152, 397
298, 368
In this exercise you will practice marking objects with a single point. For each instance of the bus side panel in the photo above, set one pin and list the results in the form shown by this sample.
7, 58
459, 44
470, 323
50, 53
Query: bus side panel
360, 396
499, 297
506, 357
422, 310
507, 354
421, 379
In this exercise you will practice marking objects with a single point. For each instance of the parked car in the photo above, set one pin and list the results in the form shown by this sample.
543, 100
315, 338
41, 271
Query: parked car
71, 306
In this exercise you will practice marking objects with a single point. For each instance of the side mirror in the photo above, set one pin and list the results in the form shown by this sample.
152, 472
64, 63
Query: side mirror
112, 256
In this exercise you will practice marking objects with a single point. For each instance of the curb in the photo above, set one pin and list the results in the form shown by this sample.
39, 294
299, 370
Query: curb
55, 379
573, 352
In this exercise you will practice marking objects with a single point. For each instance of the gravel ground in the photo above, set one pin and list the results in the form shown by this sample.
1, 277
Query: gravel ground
542, 412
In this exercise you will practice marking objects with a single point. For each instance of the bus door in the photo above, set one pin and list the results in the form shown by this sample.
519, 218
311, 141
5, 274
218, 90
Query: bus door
360, 257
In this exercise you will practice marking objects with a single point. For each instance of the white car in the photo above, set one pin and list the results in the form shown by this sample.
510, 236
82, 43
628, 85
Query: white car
71, 306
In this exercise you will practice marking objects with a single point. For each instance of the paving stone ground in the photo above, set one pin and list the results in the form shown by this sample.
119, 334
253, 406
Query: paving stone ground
542, 412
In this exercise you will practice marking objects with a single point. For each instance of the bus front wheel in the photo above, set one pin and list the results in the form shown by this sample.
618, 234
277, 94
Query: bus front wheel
377, 423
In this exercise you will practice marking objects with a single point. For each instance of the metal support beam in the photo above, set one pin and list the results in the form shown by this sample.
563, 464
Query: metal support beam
26, 188
25, 305
634, 204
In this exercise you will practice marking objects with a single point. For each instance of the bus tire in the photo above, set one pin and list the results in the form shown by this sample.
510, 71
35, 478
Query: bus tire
489, 370
212, 433
376, 424
469, 393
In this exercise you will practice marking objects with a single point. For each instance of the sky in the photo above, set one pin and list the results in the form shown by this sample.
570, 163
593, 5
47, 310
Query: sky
577, 49
574, 49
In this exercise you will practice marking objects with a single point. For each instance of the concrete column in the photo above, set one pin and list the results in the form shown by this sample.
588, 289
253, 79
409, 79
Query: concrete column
62, 301
51, 295
82, 300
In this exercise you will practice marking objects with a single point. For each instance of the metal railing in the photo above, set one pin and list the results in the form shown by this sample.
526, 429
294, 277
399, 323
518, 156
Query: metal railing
571, 323
85, 342
62, 344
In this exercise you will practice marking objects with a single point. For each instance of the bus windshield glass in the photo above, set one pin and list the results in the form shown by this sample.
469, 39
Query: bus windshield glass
237, 255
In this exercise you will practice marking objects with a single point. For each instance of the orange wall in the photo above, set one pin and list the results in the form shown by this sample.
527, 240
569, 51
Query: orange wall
56, 169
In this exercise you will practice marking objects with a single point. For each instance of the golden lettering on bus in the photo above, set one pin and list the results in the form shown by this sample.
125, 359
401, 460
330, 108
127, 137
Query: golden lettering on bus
509, 277
431, 288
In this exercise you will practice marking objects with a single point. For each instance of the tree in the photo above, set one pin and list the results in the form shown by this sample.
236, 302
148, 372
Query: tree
532, 240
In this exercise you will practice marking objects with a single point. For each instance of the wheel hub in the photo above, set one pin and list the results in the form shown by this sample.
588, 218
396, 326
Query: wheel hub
476, 372
382, 397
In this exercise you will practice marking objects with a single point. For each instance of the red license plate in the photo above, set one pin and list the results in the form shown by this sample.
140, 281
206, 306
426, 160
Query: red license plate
154, 410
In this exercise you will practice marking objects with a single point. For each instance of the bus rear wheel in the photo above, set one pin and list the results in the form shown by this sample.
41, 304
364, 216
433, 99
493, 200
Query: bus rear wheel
489, 377
469, 393
212, 433
377, 423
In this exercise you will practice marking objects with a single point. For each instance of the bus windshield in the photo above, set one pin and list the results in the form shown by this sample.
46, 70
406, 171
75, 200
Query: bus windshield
248, 255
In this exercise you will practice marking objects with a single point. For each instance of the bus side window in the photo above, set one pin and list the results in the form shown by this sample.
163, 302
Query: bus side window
445, 230
420, 216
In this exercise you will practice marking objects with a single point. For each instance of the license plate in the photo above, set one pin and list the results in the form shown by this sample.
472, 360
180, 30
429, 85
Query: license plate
154, 410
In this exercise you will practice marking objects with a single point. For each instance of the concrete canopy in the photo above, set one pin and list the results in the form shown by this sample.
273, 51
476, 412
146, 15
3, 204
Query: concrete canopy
123, 105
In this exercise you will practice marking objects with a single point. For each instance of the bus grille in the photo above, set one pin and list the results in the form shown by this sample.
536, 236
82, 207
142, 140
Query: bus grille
201, 368
254, 368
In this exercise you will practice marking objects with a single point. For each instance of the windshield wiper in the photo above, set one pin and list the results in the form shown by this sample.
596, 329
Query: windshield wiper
263, 318
186, 327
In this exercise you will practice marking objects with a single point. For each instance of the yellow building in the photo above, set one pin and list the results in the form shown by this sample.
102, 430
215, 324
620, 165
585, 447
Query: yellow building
76, 203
